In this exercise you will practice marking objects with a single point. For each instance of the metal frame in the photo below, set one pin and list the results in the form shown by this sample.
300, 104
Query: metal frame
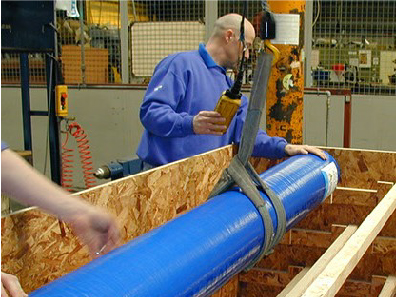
27, 113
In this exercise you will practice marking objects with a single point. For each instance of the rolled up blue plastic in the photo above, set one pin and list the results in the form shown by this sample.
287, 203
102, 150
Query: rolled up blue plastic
198, 252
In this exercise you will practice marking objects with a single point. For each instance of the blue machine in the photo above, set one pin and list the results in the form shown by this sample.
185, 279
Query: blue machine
198, 252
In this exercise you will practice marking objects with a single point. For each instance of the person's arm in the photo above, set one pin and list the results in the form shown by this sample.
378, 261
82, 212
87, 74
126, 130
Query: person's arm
93, 226
303, 149
158, 111
10, 284
209, 122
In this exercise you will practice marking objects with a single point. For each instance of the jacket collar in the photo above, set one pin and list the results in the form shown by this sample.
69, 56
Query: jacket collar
208, 59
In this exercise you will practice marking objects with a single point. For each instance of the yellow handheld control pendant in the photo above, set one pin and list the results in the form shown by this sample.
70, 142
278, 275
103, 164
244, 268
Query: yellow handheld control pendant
62, 101
227, 107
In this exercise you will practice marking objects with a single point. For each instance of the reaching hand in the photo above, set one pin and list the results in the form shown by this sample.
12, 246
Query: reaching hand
299, 149
10, 283
96, 229
208, 122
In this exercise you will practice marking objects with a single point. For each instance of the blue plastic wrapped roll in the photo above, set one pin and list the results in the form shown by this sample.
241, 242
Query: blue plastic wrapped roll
198, 252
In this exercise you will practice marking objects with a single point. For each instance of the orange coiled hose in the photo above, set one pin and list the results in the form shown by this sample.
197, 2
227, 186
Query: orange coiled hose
67, 166
83, 148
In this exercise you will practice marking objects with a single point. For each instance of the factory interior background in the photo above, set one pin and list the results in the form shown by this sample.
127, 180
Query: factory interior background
124, 40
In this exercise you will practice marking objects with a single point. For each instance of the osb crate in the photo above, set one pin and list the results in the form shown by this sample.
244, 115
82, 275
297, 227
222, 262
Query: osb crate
96, 63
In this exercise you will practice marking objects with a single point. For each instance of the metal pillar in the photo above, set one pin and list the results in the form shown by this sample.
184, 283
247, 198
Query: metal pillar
308, 43
124, 42
53, 123
27, 126
211, 15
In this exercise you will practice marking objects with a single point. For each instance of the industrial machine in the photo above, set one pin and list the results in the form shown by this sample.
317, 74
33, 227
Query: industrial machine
119, 168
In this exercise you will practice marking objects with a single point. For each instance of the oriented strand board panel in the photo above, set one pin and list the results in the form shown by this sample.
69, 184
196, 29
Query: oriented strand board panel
37, 250
352, 288
364, 168
230, 289
361, 169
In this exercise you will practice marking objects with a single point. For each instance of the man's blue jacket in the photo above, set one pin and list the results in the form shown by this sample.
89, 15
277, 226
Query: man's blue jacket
182, 85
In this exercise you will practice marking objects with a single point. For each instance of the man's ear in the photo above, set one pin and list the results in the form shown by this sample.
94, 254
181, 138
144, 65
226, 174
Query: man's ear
229, 34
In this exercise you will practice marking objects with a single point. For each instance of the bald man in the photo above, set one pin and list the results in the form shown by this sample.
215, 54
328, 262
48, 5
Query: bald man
177, 109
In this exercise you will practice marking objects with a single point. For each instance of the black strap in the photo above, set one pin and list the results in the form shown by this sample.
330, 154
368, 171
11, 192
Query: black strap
242, 172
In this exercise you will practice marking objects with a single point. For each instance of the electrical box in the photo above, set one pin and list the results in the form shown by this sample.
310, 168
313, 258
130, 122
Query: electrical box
27, 25
62, 101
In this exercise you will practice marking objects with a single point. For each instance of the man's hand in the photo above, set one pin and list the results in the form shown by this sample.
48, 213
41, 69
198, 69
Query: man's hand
208, 122
96, 229
10, 283
298, 149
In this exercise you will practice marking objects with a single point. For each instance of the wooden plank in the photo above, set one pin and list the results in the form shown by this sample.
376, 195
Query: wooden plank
290, 288
331, 279
356, 190
320, 265
389, 289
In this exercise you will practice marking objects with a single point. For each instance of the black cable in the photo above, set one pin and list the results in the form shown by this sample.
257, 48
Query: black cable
242, 29
235, 92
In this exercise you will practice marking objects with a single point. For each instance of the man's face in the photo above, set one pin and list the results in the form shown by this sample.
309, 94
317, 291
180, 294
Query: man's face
237, 48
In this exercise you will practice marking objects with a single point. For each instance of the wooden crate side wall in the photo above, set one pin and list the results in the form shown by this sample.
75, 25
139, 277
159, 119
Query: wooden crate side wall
34, 248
